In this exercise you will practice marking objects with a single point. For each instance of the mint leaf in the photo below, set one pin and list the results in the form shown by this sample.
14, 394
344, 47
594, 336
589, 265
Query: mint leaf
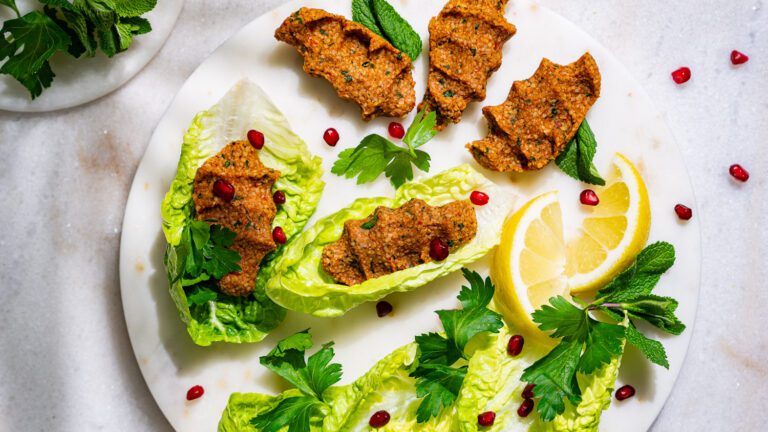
438, 387
376, 155
576, 159
133, 8
362, 12
653, 350
396, 29
201, 296
295, 413
555, 378
642, 276
656, 310
34, 39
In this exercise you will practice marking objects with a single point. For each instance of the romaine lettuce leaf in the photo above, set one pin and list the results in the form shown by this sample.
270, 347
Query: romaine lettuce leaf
299, 283
244, 107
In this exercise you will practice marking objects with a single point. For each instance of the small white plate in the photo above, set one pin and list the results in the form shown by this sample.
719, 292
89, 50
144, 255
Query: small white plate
82, 80
624, 120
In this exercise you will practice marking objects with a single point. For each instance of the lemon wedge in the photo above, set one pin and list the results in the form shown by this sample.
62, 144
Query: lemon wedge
534, 262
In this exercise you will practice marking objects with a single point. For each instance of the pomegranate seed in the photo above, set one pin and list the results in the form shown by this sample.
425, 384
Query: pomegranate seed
195, 392
739, 173
486, 419
278, 235
379, 419
438, 250
625, 392
279, 197
224, 190
681, 75
528, 391
383, 309
738, 58
515, 345
396, 130
331, 137
256, 139
479, 198
525, 408
589, 197
683, 212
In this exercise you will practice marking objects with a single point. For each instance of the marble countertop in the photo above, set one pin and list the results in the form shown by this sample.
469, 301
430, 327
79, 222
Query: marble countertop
65, 360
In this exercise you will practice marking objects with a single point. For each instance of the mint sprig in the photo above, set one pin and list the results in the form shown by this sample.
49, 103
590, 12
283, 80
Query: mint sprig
381, 18
587, 343
576, 159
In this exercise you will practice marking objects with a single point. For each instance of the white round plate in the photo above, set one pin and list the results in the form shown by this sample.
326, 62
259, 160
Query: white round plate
624, 120
82, 80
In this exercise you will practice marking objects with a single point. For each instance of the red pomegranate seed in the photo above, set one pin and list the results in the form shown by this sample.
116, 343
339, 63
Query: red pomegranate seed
486, 419
279, 197
195, 392
278, 235
683, 212
379, 419
681, 75
438, 250
515, 345
479, 198
739, 173
589, 197
256, 139
625, 392
383, 309
525, 408
224, 190
396, 130
528, 391
738, 58
331, 137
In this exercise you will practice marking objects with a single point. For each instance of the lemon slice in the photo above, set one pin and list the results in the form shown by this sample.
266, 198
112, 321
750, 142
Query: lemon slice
529, 266
534, 262
613, 233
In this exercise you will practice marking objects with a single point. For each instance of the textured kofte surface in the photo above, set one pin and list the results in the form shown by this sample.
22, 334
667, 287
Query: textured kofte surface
391, 240
465, 49
540, 116
362, 66
249, 214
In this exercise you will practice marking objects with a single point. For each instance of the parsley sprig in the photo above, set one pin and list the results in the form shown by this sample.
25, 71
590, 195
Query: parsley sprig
576, 159
80, 27
586, 343
376, 155
312, 377
442, 358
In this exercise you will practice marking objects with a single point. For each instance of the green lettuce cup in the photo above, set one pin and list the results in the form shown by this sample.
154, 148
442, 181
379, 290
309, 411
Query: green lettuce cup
299, 282
221, 317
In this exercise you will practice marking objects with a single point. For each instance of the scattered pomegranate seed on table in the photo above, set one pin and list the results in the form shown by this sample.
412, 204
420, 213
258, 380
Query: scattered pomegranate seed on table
195, 392
515, 345
528, 391
625, 392
256, 139
486, 419
589, 197
739, 173
383, 309
738, 58
379, 419
396, 130
278, 235
683, 212
479, 198
438, 250
331, 137
681, 75
525, 408
224, 190
279, 197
